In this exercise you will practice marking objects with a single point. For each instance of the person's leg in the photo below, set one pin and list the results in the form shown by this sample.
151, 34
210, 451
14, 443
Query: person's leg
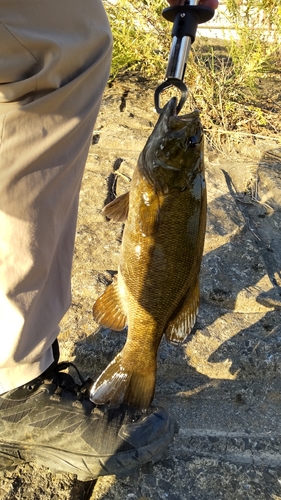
54, 63
55, 60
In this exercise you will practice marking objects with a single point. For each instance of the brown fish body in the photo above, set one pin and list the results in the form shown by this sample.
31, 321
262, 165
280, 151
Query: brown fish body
157, 289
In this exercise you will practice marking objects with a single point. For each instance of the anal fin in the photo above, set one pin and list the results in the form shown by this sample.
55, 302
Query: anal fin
108, 310
182, 322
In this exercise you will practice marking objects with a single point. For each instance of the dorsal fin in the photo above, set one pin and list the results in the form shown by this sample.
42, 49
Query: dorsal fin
184, 320
108, 310
118, 209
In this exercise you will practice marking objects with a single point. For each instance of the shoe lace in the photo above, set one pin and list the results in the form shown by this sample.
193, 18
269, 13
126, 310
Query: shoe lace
64, 365
62, 381
80, 389
65, 382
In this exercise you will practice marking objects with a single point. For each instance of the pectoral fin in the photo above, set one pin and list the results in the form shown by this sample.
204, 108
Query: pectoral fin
108, 310
118, 209
181, 324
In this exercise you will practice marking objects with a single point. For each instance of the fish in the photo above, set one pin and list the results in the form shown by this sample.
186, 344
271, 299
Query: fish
157, 287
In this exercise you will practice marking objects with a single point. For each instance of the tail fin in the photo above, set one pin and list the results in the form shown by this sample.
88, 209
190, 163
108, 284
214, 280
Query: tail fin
121, 383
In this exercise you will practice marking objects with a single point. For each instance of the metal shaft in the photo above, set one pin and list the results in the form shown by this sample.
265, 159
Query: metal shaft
185, 47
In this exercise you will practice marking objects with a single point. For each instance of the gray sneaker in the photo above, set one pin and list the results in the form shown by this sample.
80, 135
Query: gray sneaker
52, 422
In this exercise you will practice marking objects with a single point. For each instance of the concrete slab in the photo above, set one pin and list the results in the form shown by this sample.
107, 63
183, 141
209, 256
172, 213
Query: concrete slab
223, 385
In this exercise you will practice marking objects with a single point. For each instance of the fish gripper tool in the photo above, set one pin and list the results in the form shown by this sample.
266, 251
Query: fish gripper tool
186, 19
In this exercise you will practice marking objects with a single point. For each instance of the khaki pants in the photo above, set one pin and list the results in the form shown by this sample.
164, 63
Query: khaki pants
54, 64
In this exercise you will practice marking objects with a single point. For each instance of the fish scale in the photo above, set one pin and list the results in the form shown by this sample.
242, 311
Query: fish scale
166, 267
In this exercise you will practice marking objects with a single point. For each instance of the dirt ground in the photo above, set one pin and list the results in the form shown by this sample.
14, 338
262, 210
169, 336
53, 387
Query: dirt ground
223, 385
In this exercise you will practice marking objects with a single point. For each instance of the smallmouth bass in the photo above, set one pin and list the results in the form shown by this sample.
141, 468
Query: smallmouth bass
157, 288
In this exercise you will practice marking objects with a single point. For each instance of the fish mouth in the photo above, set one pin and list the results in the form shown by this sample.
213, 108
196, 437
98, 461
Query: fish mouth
173, 122
169, 112
178, 122
186, 122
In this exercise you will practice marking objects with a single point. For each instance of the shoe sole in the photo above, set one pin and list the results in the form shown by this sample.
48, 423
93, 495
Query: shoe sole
90, 467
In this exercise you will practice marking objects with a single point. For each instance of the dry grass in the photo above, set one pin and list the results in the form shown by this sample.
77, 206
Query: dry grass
234, 84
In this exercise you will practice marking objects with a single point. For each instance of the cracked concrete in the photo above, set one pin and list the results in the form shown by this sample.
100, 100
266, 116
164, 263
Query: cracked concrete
223, 385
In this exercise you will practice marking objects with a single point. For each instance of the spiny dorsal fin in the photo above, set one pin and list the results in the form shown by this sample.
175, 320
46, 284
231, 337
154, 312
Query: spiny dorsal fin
182, 323
118, 209
108, 310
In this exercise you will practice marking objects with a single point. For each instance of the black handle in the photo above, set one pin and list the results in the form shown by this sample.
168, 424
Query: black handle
186, 18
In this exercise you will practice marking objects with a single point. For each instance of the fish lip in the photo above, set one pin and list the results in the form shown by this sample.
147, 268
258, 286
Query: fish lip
180, 122
169, 111
171, 121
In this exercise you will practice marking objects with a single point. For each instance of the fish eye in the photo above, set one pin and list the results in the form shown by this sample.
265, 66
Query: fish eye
192, 141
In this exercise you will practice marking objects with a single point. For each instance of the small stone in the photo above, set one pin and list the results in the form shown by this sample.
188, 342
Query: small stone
165, 485
95, 139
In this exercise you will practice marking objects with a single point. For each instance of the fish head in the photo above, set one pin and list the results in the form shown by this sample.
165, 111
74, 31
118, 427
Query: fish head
173, 154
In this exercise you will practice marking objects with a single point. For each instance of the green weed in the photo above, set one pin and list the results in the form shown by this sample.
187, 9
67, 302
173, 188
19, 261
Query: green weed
141, 40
